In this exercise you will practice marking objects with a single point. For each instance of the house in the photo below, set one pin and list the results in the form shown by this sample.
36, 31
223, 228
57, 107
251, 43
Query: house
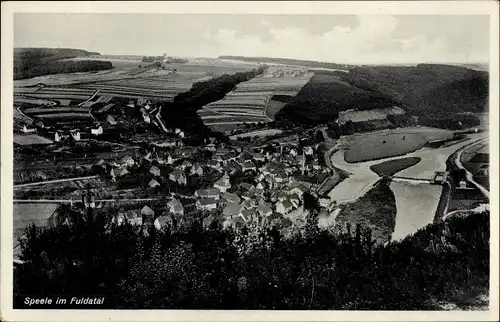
236, 223
223, 184
175, 207
248, 165
111, 120
197, 169
207, 221
119, 219
462, 185
163, 221
308, 150
178, 176
284, 207
134, 218
154, 170
96, 130
232, 209
127, 161
299, 190
262, 185
232, 168
250, 203
208, 193
231, 197
264, 210
258, 157
206, 204
28, 129
185, 164
118, 172
59, 136
153, 183
131, 103
293, 152
315, 165
214, 165
172, 157
211, 147
243, 157
179, 133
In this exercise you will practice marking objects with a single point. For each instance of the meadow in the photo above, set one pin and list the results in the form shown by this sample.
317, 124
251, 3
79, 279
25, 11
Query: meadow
390, 143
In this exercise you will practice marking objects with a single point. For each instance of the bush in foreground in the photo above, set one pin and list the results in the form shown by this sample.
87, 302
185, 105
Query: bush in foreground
195, 268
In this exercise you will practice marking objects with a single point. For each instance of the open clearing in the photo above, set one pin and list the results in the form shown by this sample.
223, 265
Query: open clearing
389, 168
367, 115
261, 133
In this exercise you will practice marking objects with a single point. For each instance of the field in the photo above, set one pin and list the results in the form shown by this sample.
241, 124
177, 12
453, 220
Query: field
130, 78
367, 115
30, 139
261, 133
389, 168
384, 144
252, 101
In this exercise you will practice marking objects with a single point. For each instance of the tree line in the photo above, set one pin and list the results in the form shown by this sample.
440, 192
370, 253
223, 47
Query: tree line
189, 266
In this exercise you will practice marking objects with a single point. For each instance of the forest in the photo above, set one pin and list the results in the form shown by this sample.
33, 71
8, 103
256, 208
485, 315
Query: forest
439, 95
188, 266
32, 62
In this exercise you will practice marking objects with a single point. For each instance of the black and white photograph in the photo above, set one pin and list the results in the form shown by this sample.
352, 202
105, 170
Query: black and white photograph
307, 161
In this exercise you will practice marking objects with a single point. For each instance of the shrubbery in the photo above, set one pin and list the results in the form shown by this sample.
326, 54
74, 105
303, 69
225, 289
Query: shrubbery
190, 267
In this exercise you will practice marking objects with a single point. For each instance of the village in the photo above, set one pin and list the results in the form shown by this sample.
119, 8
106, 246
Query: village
237, 185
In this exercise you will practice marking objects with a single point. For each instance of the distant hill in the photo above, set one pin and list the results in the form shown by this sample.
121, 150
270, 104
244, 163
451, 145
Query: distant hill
288, 61
324, 96
424, 90
31, 62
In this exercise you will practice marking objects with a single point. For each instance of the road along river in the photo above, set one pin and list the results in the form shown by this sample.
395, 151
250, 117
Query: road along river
416, 203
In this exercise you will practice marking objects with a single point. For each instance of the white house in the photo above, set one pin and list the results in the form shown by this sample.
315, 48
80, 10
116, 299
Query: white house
223, 184
75, 134
96, 130
28, 129
284, 207
127, 161
163, 221
175, 207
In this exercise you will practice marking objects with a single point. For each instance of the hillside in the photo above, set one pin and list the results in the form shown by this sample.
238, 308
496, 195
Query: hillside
425, 90
324, 96
31, 62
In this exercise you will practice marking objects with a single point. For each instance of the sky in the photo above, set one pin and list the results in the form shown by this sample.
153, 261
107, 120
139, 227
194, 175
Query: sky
353, 39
